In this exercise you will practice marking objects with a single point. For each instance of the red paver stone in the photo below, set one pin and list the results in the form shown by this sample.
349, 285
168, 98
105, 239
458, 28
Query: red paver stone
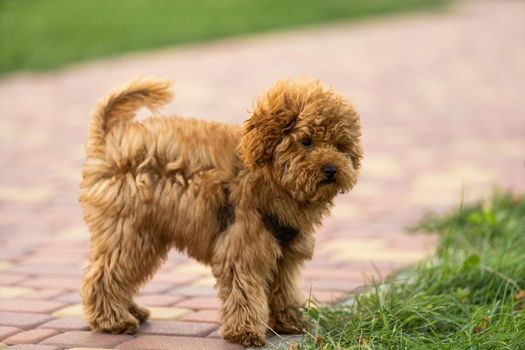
6, 332
32, 336
156, 288
52, 271
12, 253
11, 279
70, 298
33, 347
189, 329
195, 291
158, 299
67, 248
51, 259
36, 306
334, 285
156, 342
53, 282
86, 339
170, 277
215, 334
203, 316
67, 324
22, 319
200, 303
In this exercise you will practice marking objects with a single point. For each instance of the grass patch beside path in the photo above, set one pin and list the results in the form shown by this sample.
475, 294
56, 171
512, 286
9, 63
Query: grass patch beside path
45, 34
470, 295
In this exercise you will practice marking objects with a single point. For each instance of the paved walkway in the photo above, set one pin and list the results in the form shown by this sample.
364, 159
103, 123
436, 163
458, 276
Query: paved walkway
441, 98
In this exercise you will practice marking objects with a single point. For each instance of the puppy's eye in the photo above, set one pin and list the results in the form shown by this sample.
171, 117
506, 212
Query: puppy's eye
307, 142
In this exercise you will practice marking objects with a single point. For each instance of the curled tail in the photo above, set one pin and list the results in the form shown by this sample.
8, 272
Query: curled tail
121, 104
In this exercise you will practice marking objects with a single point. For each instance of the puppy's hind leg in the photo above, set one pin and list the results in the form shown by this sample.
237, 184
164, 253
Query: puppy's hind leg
121, 260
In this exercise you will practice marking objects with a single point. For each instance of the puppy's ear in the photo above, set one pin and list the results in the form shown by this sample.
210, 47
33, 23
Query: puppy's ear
356, 154
273, 117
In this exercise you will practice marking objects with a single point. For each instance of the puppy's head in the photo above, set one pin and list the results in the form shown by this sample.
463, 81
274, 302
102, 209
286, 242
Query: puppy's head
307, 136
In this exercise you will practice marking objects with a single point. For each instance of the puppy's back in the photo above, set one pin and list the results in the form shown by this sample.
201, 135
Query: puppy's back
192, 145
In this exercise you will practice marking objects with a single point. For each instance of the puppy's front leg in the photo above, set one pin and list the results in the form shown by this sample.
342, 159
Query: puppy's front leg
243, 263
286, 298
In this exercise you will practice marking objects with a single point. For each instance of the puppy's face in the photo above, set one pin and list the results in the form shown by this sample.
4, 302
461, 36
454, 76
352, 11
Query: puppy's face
309, 138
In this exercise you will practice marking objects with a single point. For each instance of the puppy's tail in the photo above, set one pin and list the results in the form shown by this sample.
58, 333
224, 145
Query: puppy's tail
121, 104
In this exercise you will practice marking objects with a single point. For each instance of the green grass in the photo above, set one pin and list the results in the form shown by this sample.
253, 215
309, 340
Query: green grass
46, 34
469, 295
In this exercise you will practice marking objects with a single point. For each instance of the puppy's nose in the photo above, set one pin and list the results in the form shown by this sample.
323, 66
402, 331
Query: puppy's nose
330, 171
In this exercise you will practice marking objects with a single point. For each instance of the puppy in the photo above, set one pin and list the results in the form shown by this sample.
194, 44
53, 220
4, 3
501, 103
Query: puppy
245, 201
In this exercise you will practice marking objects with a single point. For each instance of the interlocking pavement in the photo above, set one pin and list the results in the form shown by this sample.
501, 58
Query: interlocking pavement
443, 113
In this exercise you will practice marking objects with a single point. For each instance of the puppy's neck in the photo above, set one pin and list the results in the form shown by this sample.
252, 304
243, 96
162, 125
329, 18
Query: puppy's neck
278, 206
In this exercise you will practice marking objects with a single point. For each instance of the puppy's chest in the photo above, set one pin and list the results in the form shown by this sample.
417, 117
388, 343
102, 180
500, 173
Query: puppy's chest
284, 234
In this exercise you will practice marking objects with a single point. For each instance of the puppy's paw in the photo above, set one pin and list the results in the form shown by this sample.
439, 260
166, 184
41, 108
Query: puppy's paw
121, 325
289, 321
244, 337
139, 312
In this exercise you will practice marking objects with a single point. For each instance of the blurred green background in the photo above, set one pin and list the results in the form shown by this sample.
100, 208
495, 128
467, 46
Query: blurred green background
47, 34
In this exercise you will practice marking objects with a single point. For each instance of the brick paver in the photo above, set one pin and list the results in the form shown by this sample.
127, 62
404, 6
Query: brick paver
200, 303
91, 339
32, 336
22, 319
158, 299
189, 329
6, 332
73, 323
203, 316
33, 347
36, 306
441, 100
154, 342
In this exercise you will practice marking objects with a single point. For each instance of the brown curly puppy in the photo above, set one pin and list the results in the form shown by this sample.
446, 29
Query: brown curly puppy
244, 201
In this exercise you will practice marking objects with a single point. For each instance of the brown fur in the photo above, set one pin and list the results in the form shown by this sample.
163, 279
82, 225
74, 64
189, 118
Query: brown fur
222, 194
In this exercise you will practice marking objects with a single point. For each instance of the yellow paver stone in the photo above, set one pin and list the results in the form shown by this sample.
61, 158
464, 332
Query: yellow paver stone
13, 292
72, 310
192, 268
5, 265
167, 313
25, 194
347, 211
157, 313
365, 188
205, 281
384, 166
34, 139
75, 233
8, 130
70, 174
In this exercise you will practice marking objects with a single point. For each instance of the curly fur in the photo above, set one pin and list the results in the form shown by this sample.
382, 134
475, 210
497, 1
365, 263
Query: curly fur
225, 195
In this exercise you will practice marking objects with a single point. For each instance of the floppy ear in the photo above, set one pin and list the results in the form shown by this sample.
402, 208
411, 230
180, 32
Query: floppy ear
356, 149
273, 116
356, 154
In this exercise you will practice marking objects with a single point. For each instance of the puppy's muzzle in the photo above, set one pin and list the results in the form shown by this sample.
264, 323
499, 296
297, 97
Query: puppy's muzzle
330, 173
